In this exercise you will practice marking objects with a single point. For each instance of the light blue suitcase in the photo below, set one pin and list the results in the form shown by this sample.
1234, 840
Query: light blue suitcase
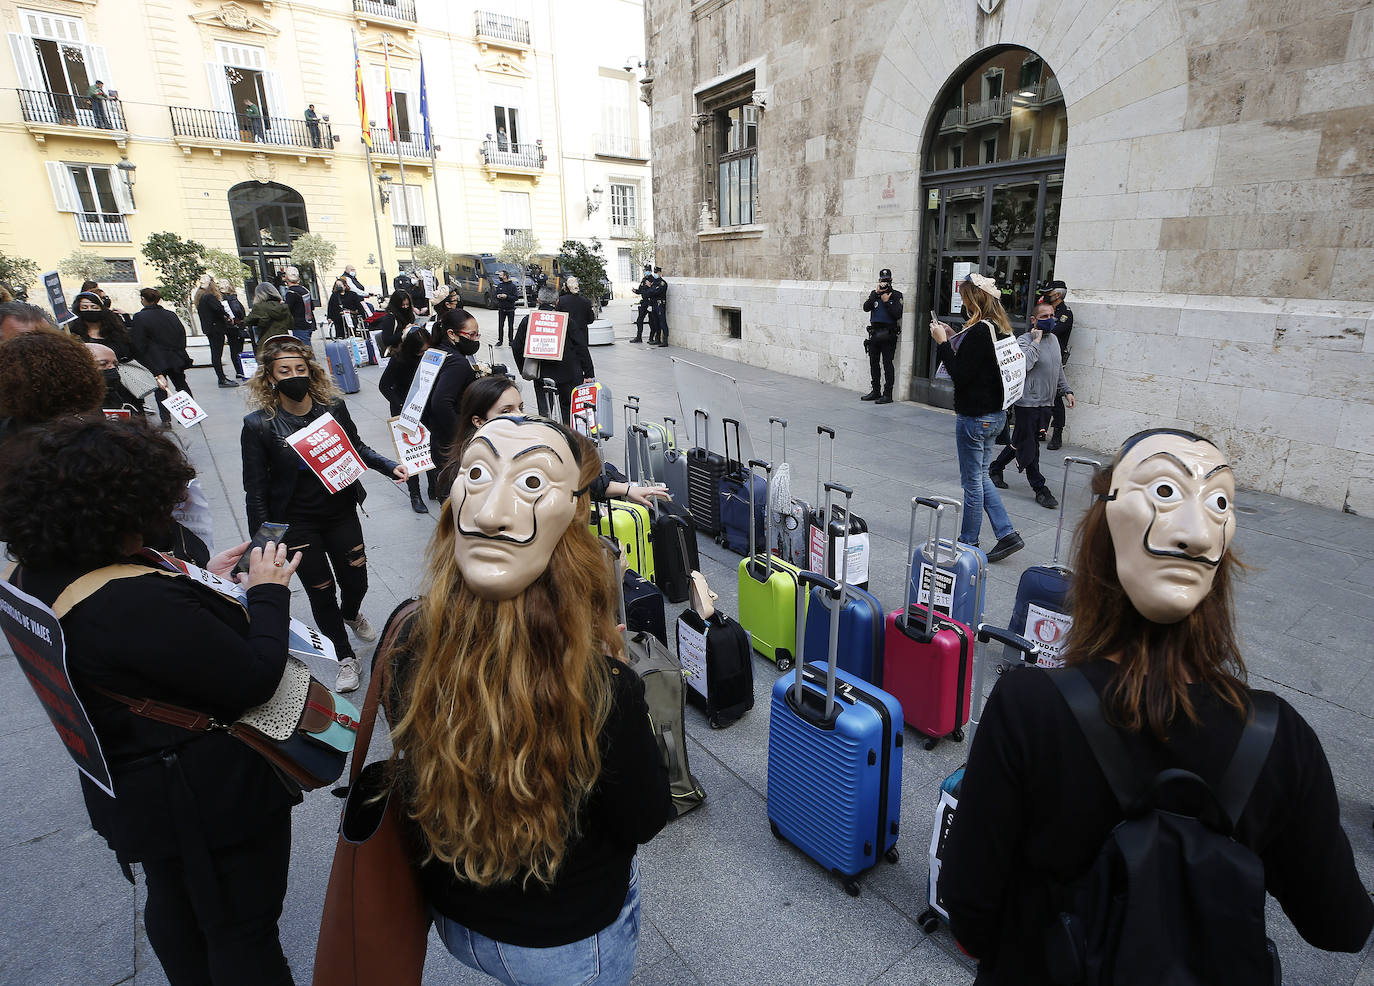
834, 759
340, 356
968, 564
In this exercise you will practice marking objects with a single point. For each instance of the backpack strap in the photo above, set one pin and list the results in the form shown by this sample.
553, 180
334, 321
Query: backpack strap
1252, 751
1103, 739
92, 582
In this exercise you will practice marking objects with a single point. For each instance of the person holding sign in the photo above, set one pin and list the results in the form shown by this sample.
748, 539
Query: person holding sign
982, 393
207, 817
395, 385
575, 363
283, 484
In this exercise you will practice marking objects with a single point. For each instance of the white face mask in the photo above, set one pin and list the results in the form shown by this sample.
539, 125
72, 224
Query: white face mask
1172, 519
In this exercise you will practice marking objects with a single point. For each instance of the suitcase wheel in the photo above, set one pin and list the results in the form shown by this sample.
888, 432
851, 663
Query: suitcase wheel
851, 887
892, 855
784, 660
930, 743
928, 920
714, 722
958, 735
777, 832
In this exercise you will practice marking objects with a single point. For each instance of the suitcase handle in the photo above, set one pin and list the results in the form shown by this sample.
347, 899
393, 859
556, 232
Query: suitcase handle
631, 404
1069, 462
767, 468
641, 447
725, 424
824, 430
1013, 640
672, 427
843, 565
771, 423
550, 390
696, 431
831, 591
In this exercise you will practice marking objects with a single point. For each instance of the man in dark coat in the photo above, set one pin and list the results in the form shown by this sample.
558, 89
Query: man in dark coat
1054, 294
507, 293
644, 284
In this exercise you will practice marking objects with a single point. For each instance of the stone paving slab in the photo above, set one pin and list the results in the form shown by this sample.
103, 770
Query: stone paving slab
722, 900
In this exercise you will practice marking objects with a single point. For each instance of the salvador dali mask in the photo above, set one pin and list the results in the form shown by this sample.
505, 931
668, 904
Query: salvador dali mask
513, 500
1172, 518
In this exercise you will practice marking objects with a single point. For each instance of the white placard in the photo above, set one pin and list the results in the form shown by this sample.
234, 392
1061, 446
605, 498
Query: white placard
184, 409
420, 387
691, 653
1011, 360
944, 589
961, 271
412, 449
1050, 630
939, 835
249, 364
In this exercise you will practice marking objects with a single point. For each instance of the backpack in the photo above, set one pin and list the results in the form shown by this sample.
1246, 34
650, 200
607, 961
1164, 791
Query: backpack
665, 692
1172, 899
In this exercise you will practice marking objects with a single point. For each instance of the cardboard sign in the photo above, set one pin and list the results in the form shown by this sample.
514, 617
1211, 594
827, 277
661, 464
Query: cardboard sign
691, 653
817, 550
939, 835
35, 636
328, 453
944, 589
961, 270
52, 282
1051, 631
184, 409
118, 413
418, 396
249, 364
546, 334
1011, 359
412, 449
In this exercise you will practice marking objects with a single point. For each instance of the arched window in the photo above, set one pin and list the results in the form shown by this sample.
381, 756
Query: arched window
992, 179
268, 218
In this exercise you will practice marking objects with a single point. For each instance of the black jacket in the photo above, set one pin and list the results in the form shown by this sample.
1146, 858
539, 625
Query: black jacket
506, 294
973, 368
161, 339
192, 647
655, 291
892, 308
271, 468
214, 320
297, 298
236, 309
343, 301
573, 368
1063, 327
446, 396
396, 380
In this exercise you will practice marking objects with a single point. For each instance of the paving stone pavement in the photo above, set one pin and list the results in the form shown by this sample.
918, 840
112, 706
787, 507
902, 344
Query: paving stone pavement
723, 901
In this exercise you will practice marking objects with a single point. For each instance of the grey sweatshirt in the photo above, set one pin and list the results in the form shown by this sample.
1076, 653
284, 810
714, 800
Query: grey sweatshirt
1044, 371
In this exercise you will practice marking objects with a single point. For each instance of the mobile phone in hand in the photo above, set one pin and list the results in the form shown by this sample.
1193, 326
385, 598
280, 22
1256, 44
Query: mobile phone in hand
267, 532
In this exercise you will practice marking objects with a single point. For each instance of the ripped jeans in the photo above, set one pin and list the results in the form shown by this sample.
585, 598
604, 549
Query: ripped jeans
332, 551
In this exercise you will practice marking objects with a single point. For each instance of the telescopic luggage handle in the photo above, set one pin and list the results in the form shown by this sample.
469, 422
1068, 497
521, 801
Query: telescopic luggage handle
725, 424
1069, 462
831, 590
631, 404
824, 430
936, 504
638, 441
767, 468
783, 423
550, 390
697, 432
843, 564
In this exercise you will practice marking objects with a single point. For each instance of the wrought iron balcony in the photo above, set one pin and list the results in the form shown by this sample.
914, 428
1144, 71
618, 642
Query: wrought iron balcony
400, 10
410, 144
62, 109
499, 154
618, 145
953, 119
408, 236
272, 131
100, 227
502, 28
988, 110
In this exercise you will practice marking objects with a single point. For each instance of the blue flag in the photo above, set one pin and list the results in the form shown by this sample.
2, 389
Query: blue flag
424, 103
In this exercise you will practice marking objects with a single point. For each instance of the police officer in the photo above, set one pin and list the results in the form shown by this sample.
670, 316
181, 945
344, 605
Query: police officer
884, 305
1054, 293
662, 306
506, 294
642, 290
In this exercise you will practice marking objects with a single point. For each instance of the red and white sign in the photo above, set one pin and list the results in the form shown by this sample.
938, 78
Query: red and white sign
327, 451
412, 448
1050, 630
184, 409
118, 413
545, 336
817, 552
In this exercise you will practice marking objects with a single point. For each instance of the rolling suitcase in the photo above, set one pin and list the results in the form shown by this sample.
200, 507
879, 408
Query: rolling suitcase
790, 528
743, 500
768, 601
595, 399
675, 468
672, 538
862, 621
716, 659
959, 572
834, 760
340, 357
660, 439
1041, 612
704, 470
631, 526
548, 396
927, 659
856, 544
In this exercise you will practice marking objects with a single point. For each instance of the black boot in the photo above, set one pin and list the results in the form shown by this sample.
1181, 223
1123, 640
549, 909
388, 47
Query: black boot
872, 395
418, 504
886, 398
637, 339
1056, 440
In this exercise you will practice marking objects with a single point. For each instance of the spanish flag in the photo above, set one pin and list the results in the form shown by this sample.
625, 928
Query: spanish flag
362, 96
390, 99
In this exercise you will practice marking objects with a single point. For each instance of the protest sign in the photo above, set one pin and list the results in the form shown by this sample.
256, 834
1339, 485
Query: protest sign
1011, 359
546, 334
418, 396
53, 283
328, 453
249, 364
412, 448
184, 409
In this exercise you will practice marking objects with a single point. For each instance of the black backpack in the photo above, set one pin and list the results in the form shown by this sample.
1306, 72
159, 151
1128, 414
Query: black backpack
1172, 899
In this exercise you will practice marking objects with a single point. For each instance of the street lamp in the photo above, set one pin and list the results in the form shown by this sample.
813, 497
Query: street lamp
383, 183
127, 169
594, 200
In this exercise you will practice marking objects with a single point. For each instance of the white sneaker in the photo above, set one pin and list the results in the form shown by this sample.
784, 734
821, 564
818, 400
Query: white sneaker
362, 629
348, 675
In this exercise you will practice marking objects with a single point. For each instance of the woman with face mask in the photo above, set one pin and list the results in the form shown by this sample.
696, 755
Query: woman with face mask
400, 315
458, 334
289, 391
96, 323
395, 385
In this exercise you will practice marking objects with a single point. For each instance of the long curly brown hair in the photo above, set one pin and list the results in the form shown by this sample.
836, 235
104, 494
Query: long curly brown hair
505, 703
262, 396
1156, 661
45, 374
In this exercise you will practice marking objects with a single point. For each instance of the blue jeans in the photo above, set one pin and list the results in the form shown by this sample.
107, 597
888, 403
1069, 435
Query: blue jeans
302, 334
973, 438
606, 958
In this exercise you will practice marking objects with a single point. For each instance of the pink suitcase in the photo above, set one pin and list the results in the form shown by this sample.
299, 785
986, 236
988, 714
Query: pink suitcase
928, 657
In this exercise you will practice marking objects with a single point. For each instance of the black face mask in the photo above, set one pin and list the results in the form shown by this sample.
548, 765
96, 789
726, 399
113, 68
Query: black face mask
90, 316
111, 376
466, 346
294, 387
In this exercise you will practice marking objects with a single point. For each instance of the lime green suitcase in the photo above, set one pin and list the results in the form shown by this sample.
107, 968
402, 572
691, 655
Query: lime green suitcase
630, 525
768, 595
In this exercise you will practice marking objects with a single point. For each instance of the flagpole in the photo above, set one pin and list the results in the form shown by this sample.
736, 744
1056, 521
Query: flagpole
366, 139
433, 166
396, 140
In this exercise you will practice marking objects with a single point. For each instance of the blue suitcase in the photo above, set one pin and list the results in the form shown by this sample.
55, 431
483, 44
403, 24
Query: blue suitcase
834, 760
340, 356
1046, 588
863, 623
961, 573
742, 491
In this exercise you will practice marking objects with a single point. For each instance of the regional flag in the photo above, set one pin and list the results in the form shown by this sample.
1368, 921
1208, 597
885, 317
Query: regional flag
390, 98
361, 95
424, 103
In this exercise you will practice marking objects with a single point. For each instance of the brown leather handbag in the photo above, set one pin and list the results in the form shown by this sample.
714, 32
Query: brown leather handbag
375, 927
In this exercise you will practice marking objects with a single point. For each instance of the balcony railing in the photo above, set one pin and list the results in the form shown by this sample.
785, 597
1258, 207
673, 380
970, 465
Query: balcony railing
501, 153
408, 236
401, 10
63, 109
953, 119
274, 130
1052, 90
411, 143
617, 145
100, 227
502, 27
988, 110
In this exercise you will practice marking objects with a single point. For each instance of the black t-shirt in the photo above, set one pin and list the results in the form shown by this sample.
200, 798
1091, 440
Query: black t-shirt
1035, 809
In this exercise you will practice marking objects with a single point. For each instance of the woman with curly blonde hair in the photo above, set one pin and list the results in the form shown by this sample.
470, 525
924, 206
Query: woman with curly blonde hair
524, 754
289, 391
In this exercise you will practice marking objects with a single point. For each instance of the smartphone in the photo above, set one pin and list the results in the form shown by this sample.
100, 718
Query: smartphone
933, 316
267, 532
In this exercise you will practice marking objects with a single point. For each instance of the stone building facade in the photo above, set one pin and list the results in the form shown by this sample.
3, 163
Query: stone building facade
1203, 172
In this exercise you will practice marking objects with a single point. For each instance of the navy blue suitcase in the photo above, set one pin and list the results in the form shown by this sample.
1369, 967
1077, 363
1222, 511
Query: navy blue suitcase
863, 624
644, 606
737, 498
340, 356
1041, 609
834, 760
724, 686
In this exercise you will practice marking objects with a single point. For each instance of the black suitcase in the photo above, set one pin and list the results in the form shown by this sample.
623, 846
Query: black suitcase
704, 472
644, 607
835, 529
715, 657
673, 537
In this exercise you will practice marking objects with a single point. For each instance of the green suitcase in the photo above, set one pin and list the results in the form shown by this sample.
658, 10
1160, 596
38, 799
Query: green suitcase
630, 525
768, 596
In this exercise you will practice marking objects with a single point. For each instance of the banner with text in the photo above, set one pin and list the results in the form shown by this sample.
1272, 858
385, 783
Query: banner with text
412, 448
420, 387
546, 334
328, 453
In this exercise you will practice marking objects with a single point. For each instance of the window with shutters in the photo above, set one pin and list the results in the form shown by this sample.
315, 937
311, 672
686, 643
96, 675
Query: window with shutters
408, 215
407, 103
616, 120
59, 72
121, 271
515, 212
624, 208
242, 84
96, 196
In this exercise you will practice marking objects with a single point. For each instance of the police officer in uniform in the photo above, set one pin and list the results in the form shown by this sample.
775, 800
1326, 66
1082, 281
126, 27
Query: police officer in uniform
642, 290
1063, 326
658, 310
884, 305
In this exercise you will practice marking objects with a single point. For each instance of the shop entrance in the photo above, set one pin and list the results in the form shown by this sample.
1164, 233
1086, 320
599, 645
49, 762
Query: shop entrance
991, 186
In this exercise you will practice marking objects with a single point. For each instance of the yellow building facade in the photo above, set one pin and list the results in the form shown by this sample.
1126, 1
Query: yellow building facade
235, 124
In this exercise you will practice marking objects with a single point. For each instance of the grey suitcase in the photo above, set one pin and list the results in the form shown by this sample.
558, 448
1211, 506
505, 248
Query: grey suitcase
675, 466
790, 529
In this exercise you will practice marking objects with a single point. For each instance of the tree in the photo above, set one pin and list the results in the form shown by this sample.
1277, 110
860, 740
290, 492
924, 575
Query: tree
519, 248
17, 272
587, 263
84, 266
313, 250
432, 257
641, 250
179, 263
225, 265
